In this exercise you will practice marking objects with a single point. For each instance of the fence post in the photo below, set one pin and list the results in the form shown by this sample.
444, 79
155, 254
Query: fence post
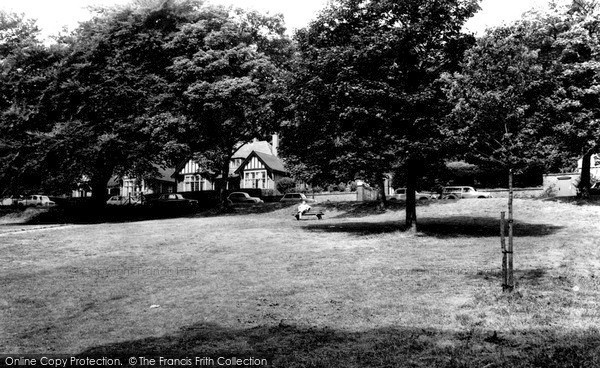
360, 192
511, 281
503, 246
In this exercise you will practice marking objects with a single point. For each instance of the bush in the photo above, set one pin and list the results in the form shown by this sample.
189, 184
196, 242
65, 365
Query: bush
353, 186
286, 185
316, 189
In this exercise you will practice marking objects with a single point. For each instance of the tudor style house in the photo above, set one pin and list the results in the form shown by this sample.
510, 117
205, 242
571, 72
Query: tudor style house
253, 165
260, 171
159, 183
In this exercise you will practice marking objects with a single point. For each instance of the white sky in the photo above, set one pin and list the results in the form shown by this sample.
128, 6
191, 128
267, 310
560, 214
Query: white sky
53, 15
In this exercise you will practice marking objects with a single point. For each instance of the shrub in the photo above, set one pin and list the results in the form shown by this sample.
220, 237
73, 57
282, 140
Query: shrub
286, 185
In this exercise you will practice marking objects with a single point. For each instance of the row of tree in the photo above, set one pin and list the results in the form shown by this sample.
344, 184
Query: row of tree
368, 88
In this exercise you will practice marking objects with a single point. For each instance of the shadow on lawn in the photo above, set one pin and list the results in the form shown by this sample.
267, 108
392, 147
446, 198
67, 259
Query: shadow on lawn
448, 227
293, 346
364, 209
121, 214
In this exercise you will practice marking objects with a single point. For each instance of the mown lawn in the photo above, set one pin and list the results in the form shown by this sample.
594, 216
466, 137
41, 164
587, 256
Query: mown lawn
352, 290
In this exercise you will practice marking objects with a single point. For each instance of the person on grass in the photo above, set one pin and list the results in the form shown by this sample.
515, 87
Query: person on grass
302, 209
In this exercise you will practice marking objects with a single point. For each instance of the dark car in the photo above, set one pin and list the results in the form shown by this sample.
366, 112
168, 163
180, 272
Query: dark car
242, 197
595, 189
174, 201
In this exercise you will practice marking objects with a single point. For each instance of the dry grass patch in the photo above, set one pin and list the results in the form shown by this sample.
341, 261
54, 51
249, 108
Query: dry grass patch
351, 290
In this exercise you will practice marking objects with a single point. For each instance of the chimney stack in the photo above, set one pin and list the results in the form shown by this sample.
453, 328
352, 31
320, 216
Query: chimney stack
275, 144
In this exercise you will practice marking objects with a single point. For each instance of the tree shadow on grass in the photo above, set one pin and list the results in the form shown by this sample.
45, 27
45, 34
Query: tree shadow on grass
449, 227
528, 276
287, 345
122, 214
365, 209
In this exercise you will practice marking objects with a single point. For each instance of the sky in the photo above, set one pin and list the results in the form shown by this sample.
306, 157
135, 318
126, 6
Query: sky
53, 15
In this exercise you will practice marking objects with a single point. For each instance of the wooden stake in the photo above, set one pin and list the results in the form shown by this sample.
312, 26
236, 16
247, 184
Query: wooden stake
509, 251
503, 246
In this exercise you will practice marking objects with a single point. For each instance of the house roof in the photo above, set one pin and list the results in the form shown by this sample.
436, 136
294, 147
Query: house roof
257, 146
182, 164
243, 152
115, 181
163, 174
270, 161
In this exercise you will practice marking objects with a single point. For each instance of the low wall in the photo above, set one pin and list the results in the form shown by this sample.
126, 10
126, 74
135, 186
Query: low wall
517, 192
333, 197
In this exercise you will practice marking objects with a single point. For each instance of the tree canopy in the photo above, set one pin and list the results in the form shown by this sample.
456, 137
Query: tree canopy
136, 86
527, 93
228, 76
26, 69
365, 93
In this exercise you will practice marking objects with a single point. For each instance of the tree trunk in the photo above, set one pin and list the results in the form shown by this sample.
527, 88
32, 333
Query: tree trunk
382, 193
99, 184
222, 184
584, 180
411, 200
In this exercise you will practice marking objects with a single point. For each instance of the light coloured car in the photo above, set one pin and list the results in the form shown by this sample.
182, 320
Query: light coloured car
296, 197
242, 197
123, 200
37, 200
10, 201
463, 192
400, 195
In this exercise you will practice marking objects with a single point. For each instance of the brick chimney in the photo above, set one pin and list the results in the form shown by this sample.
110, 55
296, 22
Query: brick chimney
275, 144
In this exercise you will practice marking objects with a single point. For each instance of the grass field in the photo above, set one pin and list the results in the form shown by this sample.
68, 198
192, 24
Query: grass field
352, 290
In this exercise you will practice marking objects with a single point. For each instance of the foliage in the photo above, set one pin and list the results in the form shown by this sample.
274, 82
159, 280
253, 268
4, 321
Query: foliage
527, 95
365, 90
92, 100
148, 83
26, 67
286, 185
227, 76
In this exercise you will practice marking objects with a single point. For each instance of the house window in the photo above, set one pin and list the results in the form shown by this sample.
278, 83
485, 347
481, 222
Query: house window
129, 187
192, 183
255, 179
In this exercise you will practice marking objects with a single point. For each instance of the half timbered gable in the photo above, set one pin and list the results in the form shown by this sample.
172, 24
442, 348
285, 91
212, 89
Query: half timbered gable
260, 171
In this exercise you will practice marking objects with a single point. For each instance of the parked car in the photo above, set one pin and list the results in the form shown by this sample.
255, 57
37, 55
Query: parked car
296, 197
400, 195
173, 201
9, 201
123, 200
36, 200
595, 188
242, 197
463, 192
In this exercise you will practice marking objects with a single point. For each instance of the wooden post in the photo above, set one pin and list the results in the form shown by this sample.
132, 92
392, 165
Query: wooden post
509, 251
503, 246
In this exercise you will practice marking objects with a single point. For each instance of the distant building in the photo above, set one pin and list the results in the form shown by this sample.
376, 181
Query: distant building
260, 171
162, 182
192, 177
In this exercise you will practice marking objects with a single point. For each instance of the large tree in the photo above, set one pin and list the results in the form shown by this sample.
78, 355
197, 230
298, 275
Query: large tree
109, 82
365, 91
228, 77
576, 40
26, 69
528, 93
